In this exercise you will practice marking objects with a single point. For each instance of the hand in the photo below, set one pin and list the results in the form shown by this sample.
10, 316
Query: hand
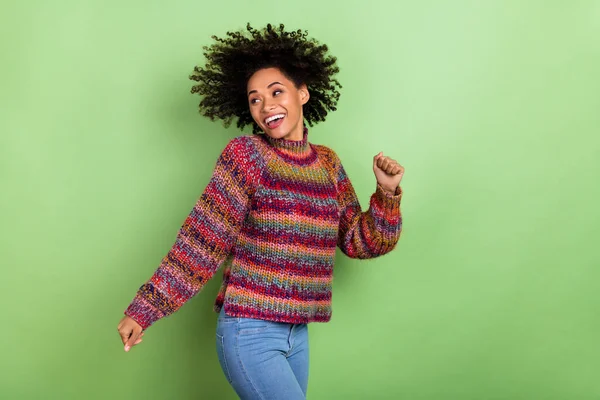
131, 332
388, 172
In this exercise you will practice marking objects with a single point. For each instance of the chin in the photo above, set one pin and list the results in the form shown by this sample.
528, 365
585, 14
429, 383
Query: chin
276, 135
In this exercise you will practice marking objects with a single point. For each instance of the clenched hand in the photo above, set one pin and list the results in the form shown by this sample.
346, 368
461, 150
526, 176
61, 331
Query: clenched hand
130, 331
388, 172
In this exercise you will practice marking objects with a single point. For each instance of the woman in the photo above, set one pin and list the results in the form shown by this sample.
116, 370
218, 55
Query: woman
276, 204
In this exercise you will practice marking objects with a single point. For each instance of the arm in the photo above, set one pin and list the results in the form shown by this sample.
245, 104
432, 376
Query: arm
374, 232
205, 239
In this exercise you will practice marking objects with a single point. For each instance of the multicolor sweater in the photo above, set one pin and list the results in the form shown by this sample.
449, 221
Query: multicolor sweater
277, 209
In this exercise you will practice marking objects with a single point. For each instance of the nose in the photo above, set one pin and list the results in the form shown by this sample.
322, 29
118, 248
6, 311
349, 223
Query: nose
268, 105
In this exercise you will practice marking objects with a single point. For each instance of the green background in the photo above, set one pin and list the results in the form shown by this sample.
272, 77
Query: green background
492, 108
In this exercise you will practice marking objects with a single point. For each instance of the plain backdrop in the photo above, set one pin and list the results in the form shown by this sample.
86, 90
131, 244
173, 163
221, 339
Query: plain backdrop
491, 106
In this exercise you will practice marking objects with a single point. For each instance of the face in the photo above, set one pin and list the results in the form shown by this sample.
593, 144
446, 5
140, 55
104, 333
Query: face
276, 104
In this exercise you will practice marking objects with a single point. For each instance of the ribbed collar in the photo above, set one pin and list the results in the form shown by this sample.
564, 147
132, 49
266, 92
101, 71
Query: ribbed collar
296, 151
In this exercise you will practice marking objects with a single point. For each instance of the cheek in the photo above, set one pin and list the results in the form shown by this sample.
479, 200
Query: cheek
290, 105
254, 113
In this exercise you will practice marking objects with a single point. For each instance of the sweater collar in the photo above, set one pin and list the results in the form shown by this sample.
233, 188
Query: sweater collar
297, 151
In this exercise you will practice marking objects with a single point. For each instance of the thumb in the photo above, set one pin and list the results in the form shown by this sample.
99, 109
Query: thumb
125, 334
135, 335
377, 157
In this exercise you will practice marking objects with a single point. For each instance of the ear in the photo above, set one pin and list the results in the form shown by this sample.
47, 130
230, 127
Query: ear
303, 93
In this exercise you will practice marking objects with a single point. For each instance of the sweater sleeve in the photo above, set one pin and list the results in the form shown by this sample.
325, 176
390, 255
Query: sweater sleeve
374, 232
206, 238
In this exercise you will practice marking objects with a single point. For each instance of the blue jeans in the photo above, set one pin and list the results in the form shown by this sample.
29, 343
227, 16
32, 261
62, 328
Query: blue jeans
263, 359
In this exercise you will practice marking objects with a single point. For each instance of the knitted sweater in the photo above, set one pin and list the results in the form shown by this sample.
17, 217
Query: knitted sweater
277, 209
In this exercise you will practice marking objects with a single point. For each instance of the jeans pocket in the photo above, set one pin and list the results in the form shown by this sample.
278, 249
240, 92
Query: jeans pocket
249, 326
222, 357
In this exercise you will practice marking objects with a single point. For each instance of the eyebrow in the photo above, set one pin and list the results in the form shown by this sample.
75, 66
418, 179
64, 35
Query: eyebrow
271, 84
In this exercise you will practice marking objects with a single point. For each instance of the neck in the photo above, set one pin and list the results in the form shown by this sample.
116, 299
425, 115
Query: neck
297, 151
297, 134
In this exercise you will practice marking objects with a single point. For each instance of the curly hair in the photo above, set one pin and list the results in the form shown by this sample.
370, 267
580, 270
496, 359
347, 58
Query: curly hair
232, 60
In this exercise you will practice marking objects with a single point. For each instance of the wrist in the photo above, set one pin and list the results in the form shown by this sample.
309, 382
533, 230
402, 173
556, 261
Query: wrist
390, 190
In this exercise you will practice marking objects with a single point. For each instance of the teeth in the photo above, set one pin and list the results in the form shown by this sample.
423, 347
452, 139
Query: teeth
273, 117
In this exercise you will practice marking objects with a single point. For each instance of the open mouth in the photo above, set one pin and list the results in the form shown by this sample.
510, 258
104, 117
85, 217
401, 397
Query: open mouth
274, 121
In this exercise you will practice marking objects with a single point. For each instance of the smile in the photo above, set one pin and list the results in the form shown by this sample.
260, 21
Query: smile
274, 120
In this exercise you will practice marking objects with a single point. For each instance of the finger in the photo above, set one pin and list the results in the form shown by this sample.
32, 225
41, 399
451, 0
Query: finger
124, 335
384, 163
133, 338
130, 342
377, 157
140, 338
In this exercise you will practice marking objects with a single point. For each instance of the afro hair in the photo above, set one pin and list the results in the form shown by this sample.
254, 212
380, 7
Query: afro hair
232, 60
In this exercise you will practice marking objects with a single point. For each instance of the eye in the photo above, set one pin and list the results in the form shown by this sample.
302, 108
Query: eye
277, 91
253, 101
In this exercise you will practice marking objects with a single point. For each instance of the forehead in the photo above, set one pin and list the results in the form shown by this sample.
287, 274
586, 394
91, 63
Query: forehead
264, 77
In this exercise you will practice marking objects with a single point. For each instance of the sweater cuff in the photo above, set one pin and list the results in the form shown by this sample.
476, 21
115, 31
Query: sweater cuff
388, 200
142, 312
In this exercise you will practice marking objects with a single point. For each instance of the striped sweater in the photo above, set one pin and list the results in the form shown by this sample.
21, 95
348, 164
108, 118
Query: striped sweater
275, 209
